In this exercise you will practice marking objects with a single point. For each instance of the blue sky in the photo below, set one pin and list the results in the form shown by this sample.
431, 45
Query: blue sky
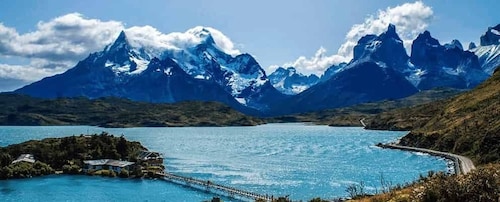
276, 32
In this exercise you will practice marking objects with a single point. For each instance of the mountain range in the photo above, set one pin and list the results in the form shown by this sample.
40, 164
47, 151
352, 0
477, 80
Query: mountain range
380, 69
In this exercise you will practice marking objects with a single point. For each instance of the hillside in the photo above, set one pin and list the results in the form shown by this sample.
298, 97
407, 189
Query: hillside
350, 116
115, 112
468, 124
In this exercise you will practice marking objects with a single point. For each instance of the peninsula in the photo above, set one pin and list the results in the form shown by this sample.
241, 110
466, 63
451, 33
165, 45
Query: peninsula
101, 154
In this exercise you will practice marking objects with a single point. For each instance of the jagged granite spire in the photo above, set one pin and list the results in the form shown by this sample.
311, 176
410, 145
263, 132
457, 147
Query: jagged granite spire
491, 37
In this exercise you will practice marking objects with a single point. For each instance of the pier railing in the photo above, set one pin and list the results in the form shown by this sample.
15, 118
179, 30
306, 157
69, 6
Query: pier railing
214, 187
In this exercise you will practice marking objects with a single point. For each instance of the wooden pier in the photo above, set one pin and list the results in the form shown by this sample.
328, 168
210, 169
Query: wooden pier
215, 188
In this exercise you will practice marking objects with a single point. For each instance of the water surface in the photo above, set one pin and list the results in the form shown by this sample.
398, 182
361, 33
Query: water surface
303, 161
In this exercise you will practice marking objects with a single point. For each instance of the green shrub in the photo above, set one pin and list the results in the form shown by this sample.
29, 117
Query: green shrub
6, 173
91, 172
124, 173
71, 169
482, 184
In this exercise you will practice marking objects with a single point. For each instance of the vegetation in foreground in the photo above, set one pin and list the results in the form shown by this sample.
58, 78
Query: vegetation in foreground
65, 154
468, 124
116, 112
482, 184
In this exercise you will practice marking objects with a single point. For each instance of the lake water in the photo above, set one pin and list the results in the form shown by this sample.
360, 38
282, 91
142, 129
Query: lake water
303, 161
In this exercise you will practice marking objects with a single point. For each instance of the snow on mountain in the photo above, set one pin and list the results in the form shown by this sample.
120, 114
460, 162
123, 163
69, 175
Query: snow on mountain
372, 75
386, 49
332, 70
123, 59
201, 53
196, 51
291, 82
491, 37
240, 75
489, 57
202, 64
489, 51
444, 65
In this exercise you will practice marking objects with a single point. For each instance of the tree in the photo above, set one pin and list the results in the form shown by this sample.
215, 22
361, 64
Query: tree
6, 173
5, 159
124, 173
122, 147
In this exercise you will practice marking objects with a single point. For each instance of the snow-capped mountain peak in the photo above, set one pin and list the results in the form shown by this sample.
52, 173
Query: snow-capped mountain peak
204, 53
202, 33
386, 48
120, 43
391, 34
291, 82
445, 65
123, 59
491, 37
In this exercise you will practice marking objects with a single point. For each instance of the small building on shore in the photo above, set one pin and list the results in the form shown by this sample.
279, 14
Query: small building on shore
151, 158
25, 158
107, 164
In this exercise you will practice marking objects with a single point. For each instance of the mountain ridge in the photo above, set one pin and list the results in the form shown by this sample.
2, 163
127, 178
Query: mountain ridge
117, 112
201, 70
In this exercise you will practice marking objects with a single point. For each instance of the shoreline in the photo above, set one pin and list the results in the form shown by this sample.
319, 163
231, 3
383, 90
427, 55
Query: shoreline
461, 164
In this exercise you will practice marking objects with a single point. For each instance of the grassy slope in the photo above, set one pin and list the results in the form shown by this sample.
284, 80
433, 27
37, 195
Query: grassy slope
482, 184
115, 112
468, 124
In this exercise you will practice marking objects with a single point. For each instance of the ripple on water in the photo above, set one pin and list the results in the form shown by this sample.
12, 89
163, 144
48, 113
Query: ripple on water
277, 159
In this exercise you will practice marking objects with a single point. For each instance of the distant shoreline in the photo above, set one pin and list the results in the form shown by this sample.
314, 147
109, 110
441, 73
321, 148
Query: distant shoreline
462, 164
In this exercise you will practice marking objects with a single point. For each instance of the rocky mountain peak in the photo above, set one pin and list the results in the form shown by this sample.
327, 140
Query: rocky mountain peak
387, 49
472, 45
454, 44
491, 37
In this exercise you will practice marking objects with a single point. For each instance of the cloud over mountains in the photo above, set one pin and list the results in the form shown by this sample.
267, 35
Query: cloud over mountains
410, 20
60, 43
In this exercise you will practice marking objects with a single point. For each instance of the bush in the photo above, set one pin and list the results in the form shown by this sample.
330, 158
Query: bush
124, 173
6, 173
482, 184
107, 173
317, 200
41, 168
91, 172
5, 159
137, 172
111, 173
71, 169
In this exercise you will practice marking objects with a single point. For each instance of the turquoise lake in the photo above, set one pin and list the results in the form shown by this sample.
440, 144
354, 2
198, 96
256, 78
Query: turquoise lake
299, 160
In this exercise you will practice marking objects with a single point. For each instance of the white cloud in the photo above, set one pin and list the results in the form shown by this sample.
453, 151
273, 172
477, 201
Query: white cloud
150, 37
410, 20
66, 38
61, 42
27, 73
316, 64
222, 41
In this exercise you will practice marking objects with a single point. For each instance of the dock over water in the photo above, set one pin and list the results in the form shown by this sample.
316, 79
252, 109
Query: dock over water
215, 188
